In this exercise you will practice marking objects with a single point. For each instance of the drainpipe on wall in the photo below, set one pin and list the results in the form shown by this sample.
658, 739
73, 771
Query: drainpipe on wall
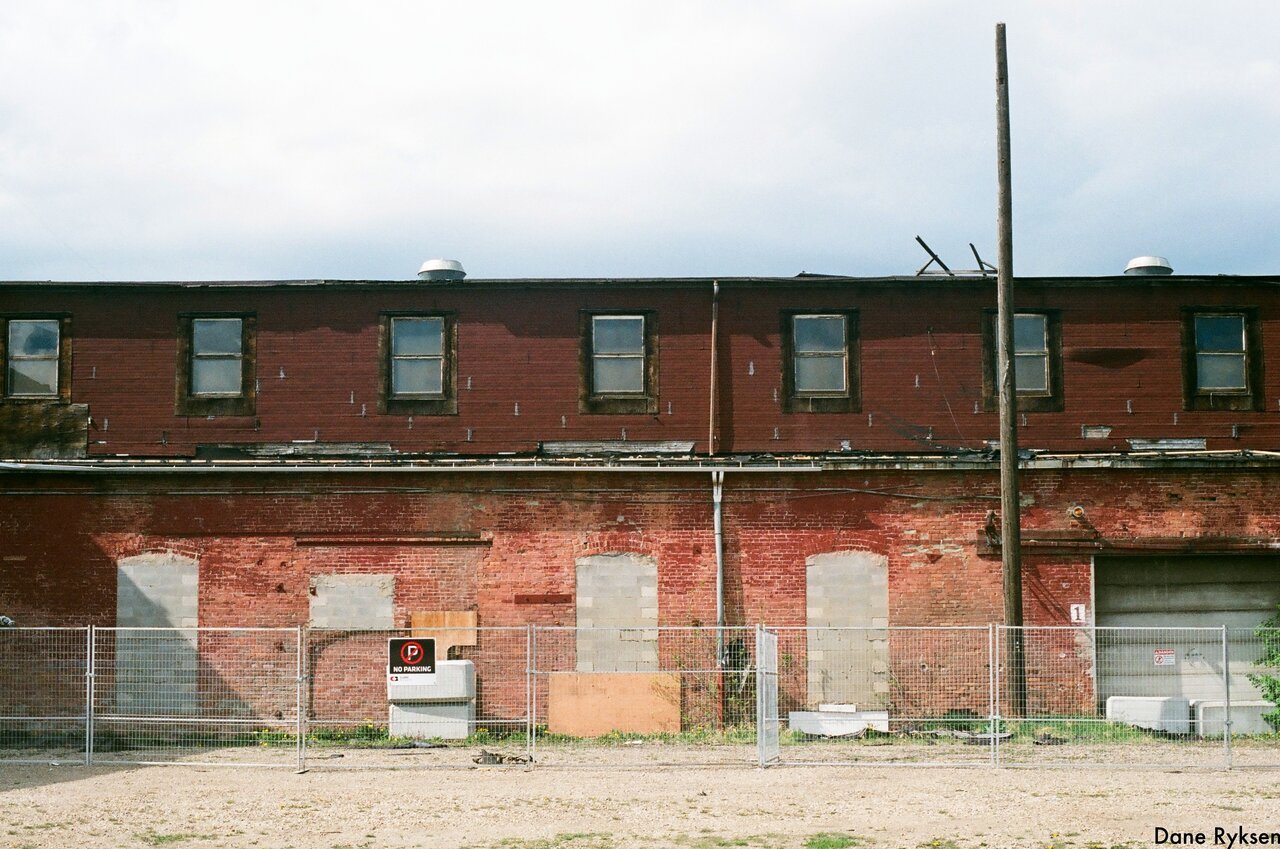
711, 413
717, 497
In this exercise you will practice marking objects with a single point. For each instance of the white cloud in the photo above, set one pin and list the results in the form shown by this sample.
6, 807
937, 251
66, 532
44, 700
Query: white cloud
334, 139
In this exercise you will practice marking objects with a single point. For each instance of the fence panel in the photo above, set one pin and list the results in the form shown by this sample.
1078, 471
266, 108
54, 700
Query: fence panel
43, 695
475, 709
1114, 696
1254, 658
196, 695
644, 696
890, 695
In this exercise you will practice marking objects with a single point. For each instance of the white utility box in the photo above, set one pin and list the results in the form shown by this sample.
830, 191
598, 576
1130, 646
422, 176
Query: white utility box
1170, 714
1246, 717
837, 723
428, 697
426, 720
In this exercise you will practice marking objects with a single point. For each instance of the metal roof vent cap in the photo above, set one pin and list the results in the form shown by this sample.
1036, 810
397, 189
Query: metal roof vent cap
442, 269
1148, 266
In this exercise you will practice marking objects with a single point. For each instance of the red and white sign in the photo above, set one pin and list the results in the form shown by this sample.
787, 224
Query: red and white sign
1166, 657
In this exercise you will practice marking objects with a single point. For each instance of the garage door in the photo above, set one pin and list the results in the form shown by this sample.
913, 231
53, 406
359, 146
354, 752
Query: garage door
1180, 592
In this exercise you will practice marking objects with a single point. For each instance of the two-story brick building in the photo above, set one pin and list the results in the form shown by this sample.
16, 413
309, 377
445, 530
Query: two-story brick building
811, 450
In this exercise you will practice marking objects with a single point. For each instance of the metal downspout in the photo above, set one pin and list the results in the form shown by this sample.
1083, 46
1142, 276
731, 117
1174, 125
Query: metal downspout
711, 393
717, 498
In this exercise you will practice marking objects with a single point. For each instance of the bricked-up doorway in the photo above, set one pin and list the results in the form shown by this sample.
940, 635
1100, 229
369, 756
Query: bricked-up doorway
848, 589
159, 590
1202, 591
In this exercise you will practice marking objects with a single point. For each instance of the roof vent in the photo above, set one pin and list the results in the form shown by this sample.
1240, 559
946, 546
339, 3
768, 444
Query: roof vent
1148, 266
442, 269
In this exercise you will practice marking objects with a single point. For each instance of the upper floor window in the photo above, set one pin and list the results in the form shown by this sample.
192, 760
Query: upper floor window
217, 357
216, 365
418, 364
33, 351
1222, 362
1037, 360
619, 352
1031, 353
820, 361
417, 357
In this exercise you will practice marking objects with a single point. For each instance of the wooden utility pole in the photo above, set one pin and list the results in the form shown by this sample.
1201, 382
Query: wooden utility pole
1010, 515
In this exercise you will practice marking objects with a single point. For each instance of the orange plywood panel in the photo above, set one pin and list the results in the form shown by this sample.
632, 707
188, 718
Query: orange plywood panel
588, 704
449, 628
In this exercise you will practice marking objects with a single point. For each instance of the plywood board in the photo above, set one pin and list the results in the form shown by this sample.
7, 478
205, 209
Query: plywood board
449, 628
588, 704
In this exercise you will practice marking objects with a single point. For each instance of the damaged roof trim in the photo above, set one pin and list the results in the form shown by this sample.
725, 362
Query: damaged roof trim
1221, 460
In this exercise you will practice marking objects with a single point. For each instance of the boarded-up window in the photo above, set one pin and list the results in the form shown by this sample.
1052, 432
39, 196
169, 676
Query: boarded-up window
617, 613
353, 602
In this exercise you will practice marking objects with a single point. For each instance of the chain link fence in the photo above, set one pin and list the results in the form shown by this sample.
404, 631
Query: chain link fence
478, 702
581, 697
44, 681
207, 695
644, 695
886, 695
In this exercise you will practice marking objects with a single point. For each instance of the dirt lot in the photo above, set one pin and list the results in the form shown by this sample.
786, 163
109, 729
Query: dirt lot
608, 808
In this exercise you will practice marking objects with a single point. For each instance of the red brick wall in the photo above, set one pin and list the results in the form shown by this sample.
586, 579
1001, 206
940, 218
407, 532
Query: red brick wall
921, 355
260, 539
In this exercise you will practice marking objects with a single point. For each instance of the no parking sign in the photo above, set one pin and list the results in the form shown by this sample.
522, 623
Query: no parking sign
410, 660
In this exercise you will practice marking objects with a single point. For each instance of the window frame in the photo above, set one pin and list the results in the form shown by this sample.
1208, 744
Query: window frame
848, 401
62, 394
590, 401
1252, 396
243, 403
1050, 400
445, 403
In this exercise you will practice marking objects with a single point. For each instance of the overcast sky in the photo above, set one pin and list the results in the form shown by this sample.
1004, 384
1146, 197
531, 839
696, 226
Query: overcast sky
259, 140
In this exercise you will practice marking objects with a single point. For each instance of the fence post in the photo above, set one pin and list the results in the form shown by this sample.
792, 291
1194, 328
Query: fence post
996, 684
88, 695
528, 692
992, 724
1226, 683
531, 682
300, 715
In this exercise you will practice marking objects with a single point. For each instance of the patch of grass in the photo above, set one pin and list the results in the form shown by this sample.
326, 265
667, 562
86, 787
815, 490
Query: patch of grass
832, 840
569, 840
733, 735
712, 841
939, 843
155, 838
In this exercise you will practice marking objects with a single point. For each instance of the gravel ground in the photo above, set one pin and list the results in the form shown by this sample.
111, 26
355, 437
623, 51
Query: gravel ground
504, 807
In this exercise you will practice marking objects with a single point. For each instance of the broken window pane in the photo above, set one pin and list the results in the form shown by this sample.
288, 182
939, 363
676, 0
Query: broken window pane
33, 350
33, 338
